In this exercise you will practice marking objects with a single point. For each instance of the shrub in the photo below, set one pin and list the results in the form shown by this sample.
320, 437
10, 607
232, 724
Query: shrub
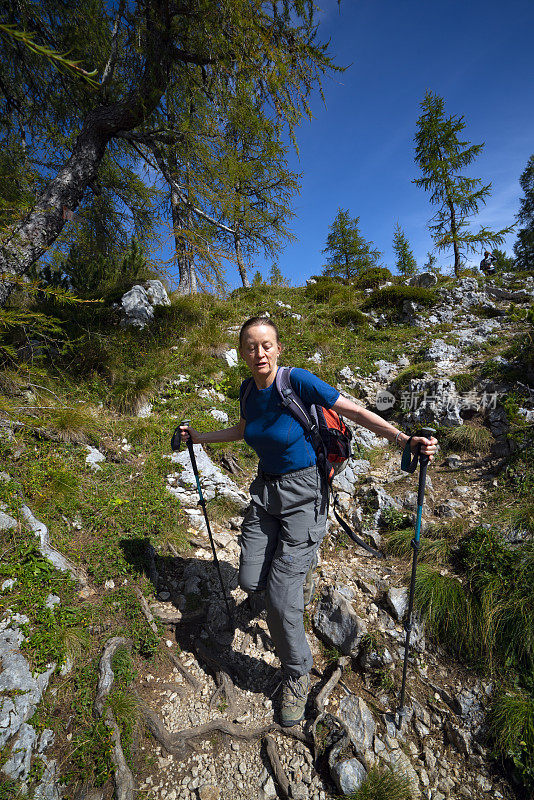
331, 291
372, 278
393, 296
350, 316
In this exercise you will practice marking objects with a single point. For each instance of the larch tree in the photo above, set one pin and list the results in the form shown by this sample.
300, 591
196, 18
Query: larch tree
348, 252
442, 157
524, 246
405, 259
139, 50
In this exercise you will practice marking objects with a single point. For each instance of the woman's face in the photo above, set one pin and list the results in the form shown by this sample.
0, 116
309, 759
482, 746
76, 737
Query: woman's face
260, 350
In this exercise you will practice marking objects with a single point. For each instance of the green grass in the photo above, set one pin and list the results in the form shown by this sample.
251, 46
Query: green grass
384, 784
432, 550
417, 370
392, 297
451, 614
511, 728
467, 438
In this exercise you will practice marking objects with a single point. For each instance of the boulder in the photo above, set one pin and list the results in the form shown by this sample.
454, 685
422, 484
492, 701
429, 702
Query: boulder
137, 305
359, 721
337, 623
348, 775
213, 481
156, 293
425, 279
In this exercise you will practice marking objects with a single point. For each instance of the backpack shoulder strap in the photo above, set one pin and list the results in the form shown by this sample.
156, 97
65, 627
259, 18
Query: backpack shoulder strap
290, 398
244, 392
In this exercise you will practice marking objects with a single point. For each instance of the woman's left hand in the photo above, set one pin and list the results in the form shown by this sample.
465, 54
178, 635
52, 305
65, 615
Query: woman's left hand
428, 446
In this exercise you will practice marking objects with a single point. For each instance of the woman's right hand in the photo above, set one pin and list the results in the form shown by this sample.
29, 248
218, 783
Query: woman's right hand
186, 431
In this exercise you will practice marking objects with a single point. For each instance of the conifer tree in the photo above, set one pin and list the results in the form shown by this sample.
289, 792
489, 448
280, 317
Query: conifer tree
276, 278
348, 252
257, 279
405, 262
442, 157
139, 50
524, 246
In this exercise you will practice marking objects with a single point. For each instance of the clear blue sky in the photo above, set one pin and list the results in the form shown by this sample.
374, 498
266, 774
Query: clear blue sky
358, 151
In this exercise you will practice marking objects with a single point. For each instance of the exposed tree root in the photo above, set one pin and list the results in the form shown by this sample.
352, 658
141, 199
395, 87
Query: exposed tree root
224, 682
190, 679
331, 684
182, 742
276, 765
124, 780
320, 702
146, 610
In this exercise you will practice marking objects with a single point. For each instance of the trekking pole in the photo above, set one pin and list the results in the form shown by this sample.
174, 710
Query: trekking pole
411, 466
176, 442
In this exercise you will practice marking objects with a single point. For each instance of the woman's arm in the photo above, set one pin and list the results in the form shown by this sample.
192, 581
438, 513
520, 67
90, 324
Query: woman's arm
375, 423
233, 434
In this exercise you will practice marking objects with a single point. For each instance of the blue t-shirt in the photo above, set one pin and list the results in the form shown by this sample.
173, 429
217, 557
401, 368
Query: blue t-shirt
274, 433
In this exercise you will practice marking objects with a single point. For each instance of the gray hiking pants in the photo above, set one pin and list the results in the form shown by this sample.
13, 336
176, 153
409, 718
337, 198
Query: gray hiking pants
280, 535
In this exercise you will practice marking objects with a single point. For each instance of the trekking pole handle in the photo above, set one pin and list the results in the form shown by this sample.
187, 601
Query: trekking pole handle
177, 439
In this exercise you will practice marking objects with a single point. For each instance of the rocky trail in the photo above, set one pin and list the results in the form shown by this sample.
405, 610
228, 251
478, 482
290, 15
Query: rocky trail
211, 707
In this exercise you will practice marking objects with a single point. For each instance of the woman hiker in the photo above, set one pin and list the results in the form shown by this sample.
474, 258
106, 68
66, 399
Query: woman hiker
286, 520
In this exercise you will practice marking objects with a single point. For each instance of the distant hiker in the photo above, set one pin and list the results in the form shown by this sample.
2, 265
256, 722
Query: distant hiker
486, 265
285, 523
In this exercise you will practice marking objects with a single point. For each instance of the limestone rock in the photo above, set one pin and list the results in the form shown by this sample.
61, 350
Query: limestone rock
229, 357
348, 775
220, 416
214, 483
425, 279
356, 715
137, 305
94, 457
17, 766
7, 522
338, 624
397, 601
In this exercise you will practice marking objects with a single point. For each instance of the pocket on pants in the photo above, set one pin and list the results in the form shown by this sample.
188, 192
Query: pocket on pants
316, 532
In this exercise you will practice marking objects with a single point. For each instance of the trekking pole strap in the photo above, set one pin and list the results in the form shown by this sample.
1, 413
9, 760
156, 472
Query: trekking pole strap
409, 463
351, 533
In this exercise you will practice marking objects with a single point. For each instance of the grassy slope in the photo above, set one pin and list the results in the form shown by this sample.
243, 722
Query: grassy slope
104, 521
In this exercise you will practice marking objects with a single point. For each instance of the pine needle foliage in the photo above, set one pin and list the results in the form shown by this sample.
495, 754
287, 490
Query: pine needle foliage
405, 259
348, 252
442, 157
524, 246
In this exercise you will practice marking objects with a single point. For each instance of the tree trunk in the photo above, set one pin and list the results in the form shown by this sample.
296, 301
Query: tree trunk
32, 237
241, 263
186, 271
454, 232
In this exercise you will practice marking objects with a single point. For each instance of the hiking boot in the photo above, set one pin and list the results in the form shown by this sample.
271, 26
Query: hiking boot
309, 583
294, 696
